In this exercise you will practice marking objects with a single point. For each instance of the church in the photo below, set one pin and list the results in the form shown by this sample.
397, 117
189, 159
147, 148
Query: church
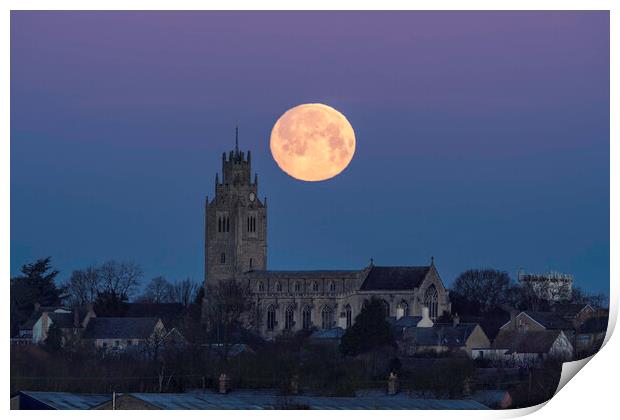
289, 301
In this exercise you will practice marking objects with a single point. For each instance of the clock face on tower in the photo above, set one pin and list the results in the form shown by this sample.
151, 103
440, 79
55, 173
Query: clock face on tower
252, 197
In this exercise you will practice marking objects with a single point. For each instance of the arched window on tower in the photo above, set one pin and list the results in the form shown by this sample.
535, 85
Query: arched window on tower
261, 286
349, 315
297, 286
306, 318
271, 318
327, 318
289, 318
431, 301
332, 287
402, 310
278, 287
251, 262
315, 286
222, 258
227, 224
219, 224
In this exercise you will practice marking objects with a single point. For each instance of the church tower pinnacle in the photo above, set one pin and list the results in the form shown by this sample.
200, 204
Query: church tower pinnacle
235, 221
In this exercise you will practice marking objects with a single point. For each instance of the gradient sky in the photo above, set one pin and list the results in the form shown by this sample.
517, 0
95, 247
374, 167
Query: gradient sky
482, 137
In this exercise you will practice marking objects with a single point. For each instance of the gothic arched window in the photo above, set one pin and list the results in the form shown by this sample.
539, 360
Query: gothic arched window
402, 310
289, 318
227, 224
306, 318
222, 258
278, 287
431, 301
271, 318
297, 287
251, 261
348, 314
327, 318
315, 286
261, 286
219, 224
332, 287
386, 306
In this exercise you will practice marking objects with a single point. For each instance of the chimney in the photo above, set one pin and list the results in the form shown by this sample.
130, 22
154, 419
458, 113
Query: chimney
513, 322
392, 384
426, 321
224, 383
295, 385
456, 320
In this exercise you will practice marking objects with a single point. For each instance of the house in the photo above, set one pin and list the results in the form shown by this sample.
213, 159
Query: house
26, 328
590, 336
490, 323
122, 333
575, 313
441, 338
537, 321
528, 347
70, 322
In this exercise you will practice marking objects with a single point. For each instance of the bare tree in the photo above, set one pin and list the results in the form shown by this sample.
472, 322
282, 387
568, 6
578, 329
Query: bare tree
83, 286
158, 290
225, 305
184, 291
486, 289
120, 278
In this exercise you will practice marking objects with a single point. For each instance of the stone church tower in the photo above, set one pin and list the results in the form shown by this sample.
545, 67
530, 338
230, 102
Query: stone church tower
235, 221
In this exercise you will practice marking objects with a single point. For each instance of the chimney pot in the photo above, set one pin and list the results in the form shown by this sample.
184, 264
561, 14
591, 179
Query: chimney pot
392, 384
224, 383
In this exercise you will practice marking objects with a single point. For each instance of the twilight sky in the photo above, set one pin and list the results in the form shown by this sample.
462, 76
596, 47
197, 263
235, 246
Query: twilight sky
482, 137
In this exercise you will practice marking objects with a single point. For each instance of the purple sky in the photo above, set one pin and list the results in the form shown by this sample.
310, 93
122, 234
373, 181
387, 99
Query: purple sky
482, 137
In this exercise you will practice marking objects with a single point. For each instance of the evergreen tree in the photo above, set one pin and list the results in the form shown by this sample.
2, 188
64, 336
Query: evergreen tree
34, 285
369, 332
53, 342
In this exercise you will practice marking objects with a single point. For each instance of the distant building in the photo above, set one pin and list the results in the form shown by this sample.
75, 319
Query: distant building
70, 322
289, 301
442, 338
527, 348
553, 286
117, 334
590, 336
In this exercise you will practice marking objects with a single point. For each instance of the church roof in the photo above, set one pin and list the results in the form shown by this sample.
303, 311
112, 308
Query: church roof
313, 274
395, 278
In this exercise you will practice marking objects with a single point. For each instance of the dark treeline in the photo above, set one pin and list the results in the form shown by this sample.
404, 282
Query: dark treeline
487, 291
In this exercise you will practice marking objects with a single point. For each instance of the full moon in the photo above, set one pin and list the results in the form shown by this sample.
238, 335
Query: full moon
312, 142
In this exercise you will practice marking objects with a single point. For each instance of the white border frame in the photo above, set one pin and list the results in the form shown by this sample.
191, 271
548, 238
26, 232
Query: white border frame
578, 400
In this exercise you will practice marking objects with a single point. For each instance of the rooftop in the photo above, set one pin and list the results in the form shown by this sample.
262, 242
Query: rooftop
121, 328
441, 335
526, 341
257, 400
